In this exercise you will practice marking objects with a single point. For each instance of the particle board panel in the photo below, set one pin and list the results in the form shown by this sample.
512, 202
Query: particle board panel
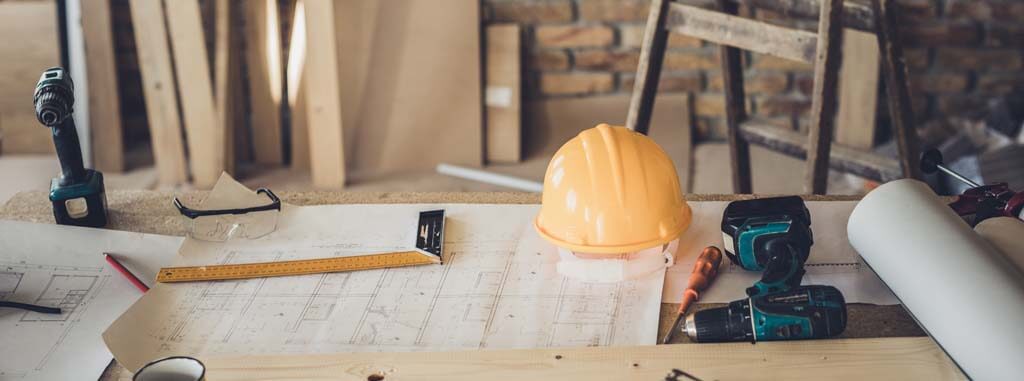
858, 90
324, 109
203, 128
104, 97
263, 42
850, 359
159, 91
420, 104
31, 45
502, 94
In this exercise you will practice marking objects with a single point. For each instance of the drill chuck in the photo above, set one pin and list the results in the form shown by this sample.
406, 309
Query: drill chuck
54, 98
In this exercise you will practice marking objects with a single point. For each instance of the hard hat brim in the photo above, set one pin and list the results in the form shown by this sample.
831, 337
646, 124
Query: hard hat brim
684, 224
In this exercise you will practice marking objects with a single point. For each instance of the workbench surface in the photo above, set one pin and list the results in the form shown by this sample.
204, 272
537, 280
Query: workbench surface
152, 212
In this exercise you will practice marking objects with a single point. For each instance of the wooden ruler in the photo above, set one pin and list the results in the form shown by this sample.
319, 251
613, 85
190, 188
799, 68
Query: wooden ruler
298, 267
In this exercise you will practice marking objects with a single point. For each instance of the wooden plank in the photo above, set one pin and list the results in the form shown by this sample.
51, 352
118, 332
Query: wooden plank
648, 71
855, 15
295, 77
421, 105
159, 89
30, 46
824, 100
263, 45
915, 358
743, 33
104, 98
224, 62
895, 71
502, 95
858, 90
203, 130
323, 98
735, 111
845, 159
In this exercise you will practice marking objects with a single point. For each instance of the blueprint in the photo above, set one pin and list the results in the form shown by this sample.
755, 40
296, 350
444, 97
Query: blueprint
832, 261
497, 288
61, 266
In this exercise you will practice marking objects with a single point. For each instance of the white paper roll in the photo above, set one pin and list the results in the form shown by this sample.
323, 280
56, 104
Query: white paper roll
1006, 234
969, 298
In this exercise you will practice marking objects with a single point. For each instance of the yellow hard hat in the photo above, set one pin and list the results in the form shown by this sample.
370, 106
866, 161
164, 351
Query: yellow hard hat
611, 190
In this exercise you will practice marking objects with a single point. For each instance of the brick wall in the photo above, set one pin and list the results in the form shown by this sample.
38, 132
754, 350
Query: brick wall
960, 53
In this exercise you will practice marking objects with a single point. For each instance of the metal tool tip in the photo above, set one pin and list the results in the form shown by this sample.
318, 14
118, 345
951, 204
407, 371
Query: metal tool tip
690, 328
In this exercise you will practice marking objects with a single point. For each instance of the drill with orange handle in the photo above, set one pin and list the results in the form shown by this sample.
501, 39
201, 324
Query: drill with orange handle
704, 271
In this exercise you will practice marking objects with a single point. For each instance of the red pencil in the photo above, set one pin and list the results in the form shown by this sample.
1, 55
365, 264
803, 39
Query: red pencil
124, 271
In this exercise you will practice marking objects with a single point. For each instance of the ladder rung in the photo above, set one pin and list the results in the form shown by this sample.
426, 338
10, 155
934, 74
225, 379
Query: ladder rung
855, 15
743, 33
843, 159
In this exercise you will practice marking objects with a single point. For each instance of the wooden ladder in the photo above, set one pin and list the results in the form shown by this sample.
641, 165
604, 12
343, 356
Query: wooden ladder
823, 49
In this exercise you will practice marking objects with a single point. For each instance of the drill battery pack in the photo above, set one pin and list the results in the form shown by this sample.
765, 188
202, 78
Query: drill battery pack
750, 227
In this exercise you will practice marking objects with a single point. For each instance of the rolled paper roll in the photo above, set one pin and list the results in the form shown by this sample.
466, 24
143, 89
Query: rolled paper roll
1006, 234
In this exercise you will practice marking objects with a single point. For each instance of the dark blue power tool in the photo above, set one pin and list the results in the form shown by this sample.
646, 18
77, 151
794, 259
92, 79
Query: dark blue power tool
78, 195
771, 235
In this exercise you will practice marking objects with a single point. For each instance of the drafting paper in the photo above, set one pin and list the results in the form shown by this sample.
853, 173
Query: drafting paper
498, 288
63, 266
966, 295
1006, 234
832, 261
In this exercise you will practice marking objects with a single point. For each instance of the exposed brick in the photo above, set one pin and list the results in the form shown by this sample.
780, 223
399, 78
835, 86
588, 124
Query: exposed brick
668, 82
941, 34
782, 105
633, 35
614, 10
1011, 11
549, 60
576, 83
709, 104
574, 36
756, 83
969, 9
1006, 34
762, 61
532, 11
937, 82
804, 83
691, 60
912, 10
959, 104
1000, 83
916, 58
978, 59
598, 59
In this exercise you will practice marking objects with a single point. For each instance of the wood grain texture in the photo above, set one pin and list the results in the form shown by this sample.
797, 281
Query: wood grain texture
104, 97
323, 98
203, 128
648, 71
159, 89
743, 33
263, 48
894, 68
735, 110
30, 46
891, 358
504, 126
824, 100
858, 90
295, 80
225, 60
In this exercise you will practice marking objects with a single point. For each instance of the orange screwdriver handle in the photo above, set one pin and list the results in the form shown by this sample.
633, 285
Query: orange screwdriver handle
704, 270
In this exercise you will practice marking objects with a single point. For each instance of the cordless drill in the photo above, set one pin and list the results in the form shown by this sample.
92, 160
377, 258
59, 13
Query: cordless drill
805, 312
772, 235
78, 195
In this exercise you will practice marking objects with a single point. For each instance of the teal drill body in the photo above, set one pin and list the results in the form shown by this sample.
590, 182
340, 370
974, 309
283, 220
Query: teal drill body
772, 236
806, 312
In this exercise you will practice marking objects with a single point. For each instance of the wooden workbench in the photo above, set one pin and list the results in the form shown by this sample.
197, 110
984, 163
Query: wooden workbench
152, 212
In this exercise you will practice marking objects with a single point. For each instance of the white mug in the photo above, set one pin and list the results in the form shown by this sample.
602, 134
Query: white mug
177, 368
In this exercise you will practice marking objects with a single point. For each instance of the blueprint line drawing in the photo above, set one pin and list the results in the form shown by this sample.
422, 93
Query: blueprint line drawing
497, 288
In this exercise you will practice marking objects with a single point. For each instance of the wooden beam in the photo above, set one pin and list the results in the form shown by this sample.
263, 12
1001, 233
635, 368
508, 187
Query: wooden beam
265, 84
735, 110
895, 71
158, 88
224, 62
845, 159
203, 130
824, 98
295, 77
31, 44
104, 97
502, 95
845, 359
858, 90
323, 98
855, 15
648, 71
742, 33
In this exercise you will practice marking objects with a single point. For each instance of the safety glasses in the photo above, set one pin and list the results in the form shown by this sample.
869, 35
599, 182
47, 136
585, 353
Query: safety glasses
224, 224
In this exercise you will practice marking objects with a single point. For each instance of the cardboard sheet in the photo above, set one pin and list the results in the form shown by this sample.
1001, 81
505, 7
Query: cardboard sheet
63, 266
832, 261
498, 288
